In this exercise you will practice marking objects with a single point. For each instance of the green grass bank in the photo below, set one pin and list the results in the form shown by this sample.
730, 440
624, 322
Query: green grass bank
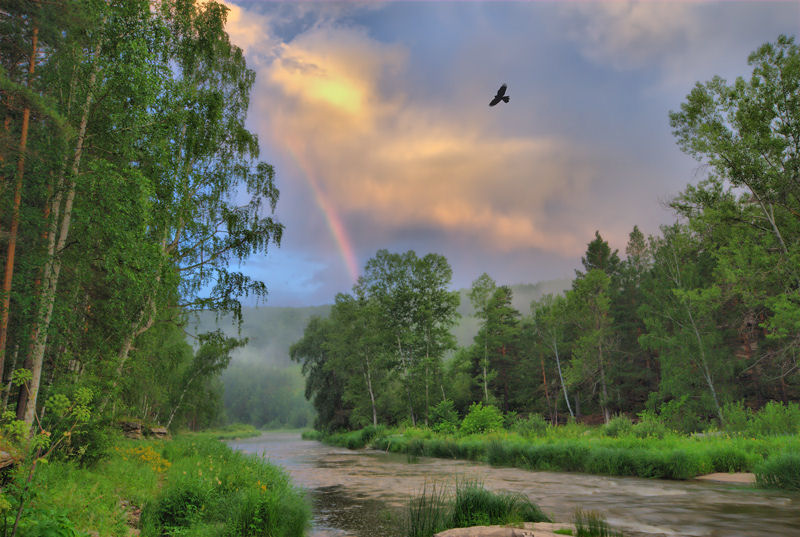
191, 485
580, 448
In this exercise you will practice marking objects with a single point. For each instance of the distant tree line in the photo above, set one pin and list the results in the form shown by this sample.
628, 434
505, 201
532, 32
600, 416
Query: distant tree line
128, 182
703, 315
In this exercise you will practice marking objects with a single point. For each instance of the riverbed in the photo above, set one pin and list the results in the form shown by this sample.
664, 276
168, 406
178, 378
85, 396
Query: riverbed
363, 493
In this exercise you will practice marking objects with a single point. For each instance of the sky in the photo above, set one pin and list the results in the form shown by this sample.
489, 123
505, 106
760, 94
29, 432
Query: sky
376, 118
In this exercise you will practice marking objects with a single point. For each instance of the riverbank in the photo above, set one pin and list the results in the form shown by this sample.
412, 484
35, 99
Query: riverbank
573, 448
191, 485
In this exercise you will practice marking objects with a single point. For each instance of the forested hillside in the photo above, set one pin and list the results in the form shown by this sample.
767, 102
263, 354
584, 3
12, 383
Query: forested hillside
695, 324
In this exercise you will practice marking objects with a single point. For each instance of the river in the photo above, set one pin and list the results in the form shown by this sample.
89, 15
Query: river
363, 493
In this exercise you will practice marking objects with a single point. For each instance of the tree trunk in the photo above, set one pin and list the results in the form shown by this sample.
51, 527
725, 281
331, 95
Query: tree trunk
604, 394
561, 378
53, 264
544, 381
12, 234
408, 389
368, 377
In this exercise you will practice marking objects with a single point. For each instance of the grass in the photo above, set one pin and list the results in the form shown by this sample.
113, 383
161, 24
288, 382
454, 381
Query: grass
470, 504
780, 471
579, 448
192, 485
592, 524
229, 432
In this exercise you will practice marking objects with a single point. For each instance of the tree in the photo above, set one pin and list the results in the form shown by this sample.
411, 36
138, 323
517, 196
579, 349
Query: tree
481, 291
416, 312
549, 316
682, 315
589, 309
325, 382
500, 332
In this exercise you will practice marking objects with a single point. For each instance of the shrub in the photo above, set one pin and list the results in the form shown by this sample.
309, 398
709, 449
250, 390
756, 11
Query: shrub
533, 425
482, 419
680, 415
737, 417
649, 429
444, 418
620, 425
780, 471
178, 506
775, 418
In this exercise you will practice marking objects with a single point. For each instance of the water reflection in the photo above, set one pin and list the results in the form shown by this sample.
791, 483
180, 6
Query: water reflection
362, 493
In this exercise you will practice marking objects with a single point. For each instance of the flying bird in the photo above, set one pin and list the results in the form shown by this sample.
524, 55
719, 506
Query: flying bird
501, 96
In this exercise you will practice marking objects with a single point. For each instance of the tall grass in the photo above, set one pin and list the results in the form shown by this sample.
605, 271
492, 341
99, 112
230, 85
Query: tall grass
649, 452
592, 524
470, 504
781, 471
211, 489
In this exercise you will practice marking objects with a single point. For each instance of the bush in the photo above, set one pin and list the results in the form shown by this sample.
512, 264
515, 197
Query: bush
680, 415
533, 425
775, 418
620, 425
444, 418
737, 417
780, 471
649, 428
482, 419
178, 506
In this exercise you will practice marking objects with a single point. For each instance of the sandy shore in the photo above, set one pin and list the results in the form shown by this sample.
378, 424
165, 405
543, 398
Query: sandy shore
741, 478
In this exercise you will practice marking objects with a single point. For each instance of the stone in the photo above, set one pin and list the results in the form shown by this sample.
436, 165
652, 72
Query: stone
159, 432
131, 429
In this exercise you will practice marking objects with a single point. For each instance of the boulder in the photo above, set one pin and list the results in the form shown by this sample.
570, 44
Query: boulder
537, 529
131, 429
7, 459
160, 433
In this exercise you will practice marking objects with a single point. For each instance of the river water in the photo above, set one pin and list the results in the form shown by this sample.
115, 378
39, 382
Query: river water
363, 493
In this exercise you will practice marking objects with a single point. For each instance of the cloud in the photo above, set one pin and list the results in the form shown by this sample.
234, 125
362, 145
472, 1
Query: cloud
632, 34
337, 100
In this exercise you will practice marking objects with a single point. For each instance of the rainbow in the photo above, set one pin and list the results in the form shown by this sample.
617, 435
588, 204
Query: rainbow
332, 218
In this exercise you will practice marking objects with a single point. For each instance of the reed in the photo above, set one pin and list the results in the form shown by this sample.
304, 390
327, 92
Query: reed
469, 504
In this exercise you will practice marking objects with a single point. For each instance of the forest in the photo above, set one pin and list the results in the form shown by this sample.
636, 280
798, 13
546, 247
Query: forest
129, 184
694, 324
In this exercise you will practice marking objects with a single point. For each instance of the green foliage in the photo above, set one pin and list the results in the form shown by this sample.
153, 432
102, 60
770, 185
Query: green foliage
649, 426
533, 425
618, 426
48, 523
776, 418
780, 471
444, 418
481, 419
473, 505
680, 415
209, 485
470, 504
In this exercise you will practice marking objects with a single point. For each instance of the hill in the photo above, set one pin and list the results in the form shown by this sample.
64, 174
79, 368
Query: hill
272, 330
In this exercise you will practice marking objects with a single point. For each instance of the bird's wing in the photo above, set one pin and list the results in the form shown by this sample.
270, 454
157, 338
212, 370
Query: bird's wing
496, 100
502, 90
